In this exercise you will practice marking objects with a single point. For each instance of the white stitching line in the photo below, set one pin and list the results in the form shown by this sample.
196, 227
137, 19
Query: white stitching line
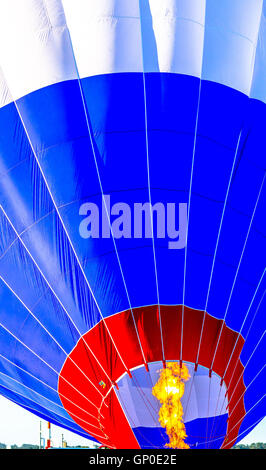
51, 336
100, 184
61, 220
70, 318
42, 396
48, 365
149, 185
239, 264
48, 386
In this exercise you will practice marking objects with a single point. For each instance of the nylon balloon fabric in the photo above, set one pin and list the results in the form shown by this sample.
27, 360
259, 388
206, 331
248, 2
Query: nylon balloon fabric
108, 110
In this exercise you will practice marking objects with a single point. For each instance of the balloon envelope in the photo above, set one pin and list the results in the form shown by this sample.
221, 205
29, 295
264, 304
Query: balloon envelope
107, 108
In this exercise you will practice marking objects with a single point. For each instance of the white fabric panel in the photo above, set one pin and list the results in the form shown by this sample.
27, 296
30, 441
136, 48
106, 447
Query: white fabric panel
258, 89
105, 35
205, 399
5, 96
173, 34
35, 49
108, 35
231, 33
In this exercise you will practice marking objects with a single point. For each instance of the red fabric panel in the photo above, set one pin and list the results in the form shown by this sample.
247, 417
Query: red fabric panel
118, 333
119, 429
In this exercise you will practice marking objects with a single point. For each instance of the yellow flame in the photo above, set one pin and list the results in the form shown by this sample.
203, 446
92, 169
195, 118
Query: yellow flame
169, 390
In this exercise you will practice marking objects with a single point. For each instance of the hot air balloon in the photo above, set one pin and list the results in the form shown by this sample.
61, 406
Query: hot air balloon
109, 106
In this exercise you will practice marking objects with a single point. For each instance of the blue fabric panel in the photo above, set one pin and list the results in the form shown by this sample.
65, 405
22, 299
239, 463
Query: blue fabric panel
114, 112
254, 332
29, 206
254, 416
16, 352
18, 320
200, 434
28, 380
111, 138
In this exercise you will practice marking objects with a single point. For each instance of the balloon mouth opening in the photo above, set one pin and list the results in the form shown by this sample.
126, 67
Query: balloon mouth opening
171, 399
126, 388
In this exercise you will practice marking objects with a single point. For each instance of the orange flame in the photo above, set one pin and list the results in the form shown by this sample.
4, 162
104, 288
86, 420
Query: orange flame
169, 390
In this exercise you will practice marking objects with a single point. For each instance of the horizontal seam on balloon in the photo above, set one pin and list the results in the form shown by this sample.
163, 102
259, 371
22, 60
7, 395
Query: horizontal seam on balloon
61, 206
59, 144
31, 33
143, 247
122, 131
166, 19
220, 28
10, 169
128, 131
144, 17
172, 131
154, 129
124, 190
166, 248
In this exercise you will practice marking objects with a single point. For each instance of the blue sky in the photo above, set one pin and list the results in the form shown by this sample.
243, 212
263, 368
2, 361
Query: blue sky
18, 426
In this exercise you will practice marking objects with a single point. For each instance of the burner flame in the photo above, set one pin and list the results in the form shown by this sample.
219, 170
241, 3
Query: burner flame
169, 390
